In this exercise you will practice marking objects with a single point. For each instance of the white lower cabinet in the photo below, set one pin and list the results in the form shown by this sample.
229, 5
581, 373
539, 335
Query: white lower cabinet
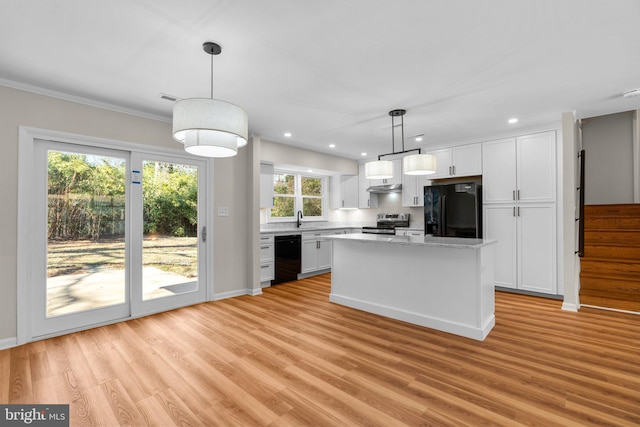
537, 248
316, 252
526, 250
267, 272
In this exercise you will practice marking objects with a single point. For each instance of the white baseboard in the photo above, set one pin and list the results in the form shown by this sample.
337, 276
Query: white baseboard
611, 309
570, 307
468, 331
8, 343
231, 294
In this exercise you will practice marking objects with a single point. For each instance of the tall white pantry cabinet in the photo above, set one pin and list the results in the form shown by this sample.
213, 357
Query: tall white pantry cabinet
519, 197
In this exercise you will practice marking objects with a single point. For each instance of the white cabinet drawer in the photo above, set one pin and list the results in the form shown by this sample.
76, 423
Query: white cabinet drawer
266, 238
266, 252
266, 271
314, 235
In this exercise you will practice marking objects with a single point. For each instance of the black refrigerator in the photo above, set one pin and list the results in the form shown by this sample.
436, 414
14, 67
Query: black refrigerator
453, 210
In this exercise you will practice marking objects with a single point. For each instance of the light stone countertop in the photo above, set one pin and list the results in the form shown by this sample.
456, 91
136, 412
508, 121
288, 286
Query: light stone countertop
431, 241
303, 228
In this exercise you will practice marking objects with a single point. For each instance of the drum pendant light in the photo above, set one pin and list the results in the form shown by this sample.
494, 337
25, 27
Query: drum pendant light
415, 164
419, 164
210, 127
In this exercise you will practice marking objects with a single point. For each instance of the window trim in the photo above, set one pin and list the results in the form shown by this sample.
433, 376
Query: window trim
298, 196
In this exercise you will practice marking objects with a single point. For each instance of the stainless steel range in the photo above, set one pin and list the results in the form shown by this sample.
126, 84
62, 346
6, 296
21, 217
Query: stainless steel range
387, 223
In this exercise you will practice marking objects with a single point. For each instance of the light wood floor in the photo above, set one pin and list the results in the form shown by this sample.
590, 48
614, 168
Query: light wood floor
290, 357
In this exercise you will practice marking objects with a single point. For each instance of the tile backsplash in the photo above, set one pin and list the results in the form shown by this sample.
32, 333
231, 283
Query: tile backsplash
387, 203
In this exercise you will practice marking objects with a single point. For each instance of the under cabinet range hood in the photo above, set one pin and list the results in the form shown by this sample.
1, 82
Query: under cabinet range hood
385, 188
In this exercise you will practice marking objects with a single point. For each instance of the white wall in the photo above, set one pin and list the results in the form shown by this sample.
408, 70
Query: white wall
271, 152
232, 178
608, 142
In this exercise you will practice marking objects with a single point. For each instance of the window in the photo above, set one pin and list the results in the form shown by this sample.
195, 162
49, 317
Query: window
297, 192
284, 195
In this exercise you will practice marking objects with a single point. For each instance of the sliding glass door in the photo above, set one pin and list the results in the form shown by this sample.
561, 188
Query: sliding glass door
170, 233
121, 235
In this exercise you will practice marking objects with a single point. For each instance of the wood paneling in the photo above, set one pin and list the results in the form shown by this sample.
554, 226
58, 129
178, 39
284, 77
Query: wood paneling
610, 268
290, 357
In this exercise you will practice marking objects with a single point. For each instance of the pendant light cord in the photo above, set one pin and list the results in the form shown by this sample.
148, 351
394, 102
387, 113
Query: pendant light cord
211, 76
402, 127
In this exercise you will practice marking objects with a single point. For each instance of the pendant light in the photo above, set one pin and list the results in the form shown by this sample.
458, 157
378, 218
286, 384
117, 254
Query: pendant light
419, 164
383, 169
210, 127
414, 164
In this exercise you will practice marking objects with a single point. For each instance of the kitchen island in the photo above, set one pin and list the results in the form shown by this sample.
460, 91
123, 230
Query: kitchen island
442, 283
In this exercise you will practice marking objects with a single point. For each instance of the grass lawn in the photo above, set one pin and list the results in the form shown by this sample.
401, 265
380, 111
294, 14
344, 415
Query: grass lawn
171, 254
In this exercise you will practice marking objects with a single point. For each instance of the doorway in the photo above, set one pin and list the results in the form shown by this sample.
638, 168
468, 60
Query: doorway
116, 234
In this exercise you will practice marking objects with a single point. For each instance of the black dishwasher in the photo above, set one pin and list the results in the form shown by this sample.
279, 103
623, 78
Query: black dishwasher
287, 258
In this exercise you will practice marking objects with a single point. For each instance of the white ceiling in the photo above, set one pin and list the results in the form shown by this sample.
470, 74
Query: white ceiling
330, 71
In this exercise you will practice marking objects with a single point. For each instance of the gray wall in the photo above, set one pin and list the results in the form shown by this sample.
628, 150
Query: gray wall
608, 143
231, 183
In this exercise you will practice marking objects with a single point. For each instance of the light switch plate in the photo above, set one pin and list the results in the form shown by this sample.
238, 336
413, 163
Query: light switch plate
223, 211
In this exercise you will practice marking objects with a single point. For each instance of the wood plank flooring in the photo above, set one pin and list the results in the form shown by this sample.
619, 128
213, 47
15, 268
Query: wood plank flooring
291, 358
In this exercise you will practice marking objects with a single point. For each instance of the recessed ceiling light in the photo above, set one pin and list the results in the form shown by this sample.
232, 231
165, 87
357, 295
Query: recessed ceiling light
363, 154
287, 134
332, 145
513, 120
309, 170
631, 93
418, 138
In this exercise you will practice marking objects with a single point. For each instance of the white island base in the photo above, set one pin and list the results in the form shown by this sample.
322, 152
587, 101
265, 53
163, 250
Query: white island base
441, 283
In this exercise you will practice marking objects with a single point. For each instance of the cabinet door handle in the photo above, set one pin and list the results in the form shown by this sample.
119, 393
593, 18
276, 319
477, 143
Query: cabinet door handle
514, 211
514, 194
368, 202
518, 210
518, 195
264, 247
454, 169
264, 266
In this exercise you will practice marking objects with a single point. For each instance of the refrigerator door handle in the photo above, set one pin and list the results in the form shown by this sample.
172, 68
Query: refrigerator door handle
443, 216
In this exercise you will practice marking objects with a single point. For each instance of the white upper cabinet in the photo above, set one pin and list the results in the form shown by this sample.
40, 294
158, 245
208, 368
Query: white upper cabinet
499, 171
366, 199
467, 160
344, 192
443, 163
413, 189
266, 185
464, 160
536, 167
521, 169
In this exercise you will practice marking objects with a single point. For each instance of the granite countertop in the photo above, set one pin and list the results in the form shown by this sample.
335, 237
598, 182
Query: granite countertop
432, 241
304, 228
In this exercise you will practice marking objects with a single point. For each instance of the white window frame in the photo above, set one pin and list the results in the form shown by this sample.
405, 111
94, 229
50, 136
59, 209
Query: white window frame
297, 196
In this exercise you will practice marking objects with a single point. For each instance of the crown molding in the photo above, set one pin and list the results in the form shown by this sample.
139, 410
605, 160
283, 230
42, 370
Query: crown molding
81, 100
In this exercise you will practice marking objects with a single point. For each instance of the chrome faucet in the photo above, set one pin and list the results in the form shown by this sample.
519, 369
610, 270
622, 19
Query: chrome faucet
298, 218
